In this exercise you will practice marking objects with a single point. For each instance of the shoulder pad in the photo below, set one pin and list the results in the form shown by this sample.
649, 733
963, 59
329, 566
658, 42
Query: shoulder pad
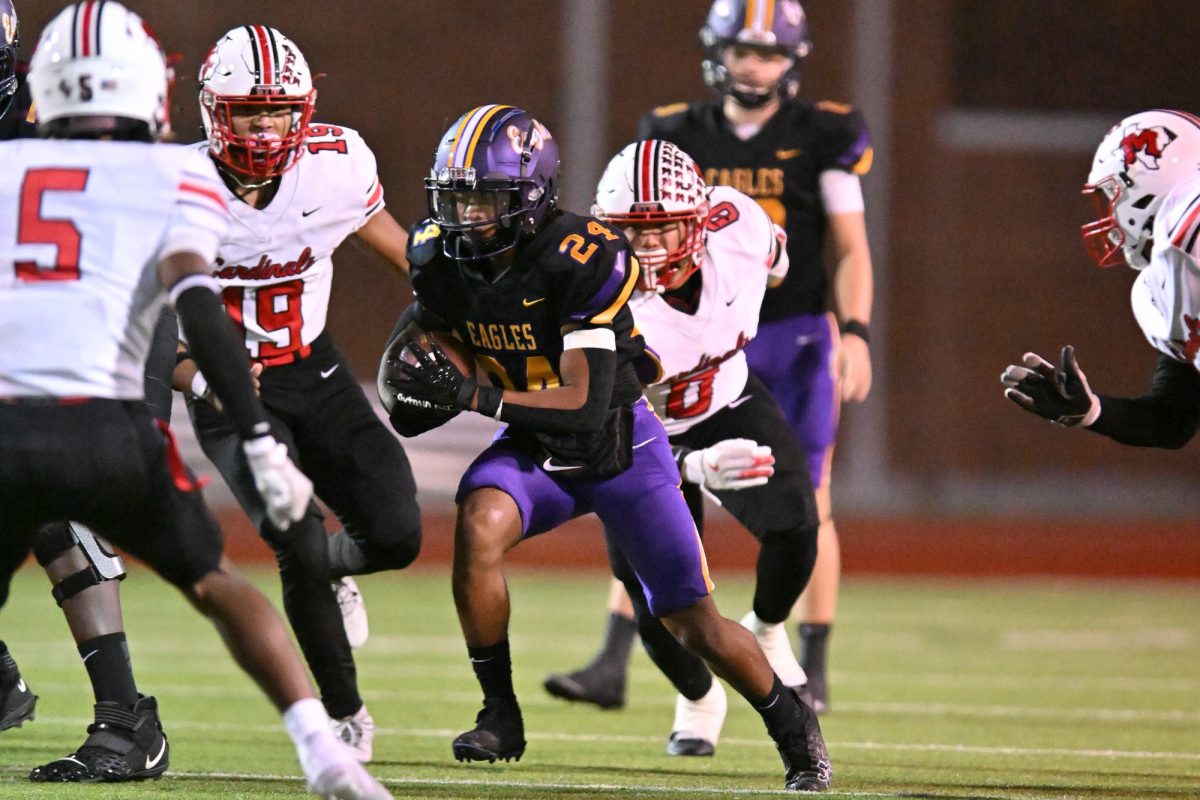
669, 110
845, 137
572, 243
424, 242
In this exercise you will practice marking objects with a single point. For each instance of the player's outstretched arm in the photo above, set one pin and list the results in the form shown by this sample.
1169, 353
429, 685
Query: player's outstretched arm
217, 349
1061, 395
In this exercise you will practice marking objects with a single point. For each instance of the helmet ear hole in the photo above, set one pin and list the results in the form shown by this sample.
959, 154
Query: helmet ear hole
1143, 202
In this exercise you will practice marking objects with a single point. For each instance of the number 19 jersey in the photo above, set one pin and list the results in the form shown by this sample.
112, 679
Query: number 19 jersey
275, 267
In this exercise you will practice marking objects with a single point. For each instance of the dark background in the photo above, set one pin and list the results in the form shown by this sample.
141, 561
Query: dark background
976, 245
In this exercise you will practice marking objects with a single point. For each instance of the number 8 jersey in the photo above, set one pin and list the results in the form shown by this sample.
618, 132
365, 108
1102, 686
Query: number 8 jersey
701, 353
275, 266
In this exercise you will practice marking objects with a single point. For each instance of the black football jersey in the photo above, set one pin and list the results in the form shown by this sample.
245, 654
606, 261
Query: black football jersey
576, 270
780, 167
18, 122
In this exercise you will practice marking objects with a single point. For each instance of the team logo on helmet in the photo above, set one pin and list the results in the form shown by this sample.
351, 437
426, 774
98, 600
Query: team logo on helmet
10, 28
1145, 145
792, 12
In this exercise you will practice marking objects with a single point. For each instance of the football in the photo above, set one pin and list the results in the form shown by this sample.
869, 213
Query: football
454, 349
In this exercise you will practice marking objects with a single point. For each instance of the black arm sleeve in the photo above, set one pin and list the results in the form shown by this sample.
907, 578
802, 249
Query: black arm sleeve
588, 418
1167, 417
217, 349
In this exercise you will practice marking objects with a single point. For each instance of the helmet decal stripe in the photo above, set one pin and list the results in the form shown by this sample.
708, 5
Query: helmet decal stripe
644, 157
768, 20
655, 188
254, 52
474, 136
275, 61
458, 135
1189, 117
751, 13
96, 35
265, 62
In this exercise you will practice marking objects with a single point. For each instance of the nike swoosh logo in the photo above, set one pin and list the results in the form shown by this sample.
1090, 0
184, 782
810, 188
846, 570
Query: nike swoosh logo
527, 302
311, 211
480, 660
21, 683
152, 762
784, 155
550, 466
643, 444
739, 401
89, 655
729, 302
325, 373
804, 339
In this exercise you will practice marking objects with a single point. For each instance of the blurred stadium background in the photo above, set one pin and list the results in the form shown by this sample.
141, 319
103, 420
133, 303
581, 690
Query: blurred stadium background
985, 116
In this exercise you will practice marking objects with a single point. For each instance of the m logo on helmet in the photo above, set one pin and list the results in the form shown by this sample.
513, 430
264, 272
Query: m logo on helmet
1145, 145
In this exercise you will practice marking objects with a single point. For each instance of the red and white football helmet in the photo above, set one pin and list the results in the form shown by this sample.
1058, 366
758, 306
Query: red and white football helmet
651, 184
1137, 163
99, 69
256, 65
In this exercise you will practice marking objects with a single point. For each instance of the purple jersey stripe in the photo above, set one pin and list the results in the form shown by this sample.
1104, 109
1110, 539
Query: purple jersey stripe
608, 292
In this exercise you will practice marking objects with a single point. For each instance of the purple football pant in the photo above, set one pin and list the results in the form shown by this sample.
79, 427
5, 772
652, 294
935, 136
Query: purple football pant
642, 509
794, 358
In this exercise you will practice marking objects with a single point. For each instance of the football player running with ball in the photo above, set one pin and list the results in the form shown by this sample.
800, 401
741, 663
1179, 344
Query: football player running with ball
296, 190
539, 297
99, 226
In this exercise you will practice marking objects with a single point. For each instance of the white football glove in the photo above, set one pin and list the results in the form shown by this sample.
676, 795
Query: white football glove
283, 487
731, 464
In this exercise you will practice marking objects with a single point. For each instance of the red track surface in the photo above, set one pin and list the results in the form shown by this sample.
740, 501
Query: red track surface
958, 547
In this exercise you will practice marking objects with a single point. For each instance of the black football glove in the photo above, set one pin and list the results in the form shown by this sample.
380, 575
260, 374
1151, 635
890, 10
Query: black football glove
433, 379
1060, 395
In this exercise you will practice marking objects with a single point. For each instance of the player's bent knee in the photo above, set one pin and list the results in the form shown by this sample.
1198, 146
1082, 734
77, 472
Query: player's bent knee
486, 524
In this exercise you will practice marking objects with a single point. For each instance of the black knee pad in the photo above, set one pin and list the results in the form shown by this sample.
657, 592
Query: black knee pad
52, 541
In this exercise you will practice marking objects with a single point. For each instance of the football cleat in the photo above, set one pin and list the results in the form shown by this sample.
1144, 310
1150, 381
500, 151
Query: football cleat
354, 611
591, 684
357, 732
16, 705
697, 725
802, 748
499, 733
348, 782
122, 745
773, 641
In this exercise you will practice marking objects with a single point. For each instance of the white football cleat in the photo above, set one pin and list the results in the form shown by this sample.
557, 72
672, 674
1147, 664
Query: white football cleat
348, 781
357, 732
354, 611
697, 726
773, 641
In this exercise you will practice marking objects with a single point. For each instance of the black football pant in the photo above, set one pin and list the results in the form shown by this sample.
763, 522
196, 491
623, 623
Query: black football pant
781, 514
358, 469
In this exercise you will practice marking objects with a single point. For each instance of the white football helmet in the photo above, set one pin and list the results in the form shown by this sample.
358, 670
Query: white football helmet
1137, 163
650, 184
256, 65
97, 67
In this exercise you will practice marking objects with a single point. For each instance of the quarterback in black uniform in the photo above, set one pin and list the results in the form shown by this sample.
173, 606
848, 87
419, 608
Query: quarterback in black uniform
801, 161
539, 298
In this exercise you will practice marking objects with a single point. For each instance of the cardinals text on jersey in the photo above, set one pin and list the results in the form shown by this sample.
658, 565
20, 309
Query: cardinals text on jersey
276, 267
85, 225
701, 353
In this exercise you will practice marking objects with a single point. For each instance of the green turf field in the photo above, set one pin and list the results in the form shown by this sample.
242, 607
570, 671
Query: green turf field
955, 690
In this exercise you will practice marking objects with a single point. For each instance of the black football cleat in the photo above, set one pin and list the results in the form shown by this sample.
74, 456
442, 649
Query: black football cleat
600, 687
499, 733
683, 745
16, 705
802, 748
122, 745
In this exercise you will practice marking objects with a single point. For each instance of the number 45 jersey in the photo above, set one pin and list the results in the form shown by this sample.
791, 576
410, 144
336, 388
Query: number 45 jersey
275, 266
83, 225
701, 353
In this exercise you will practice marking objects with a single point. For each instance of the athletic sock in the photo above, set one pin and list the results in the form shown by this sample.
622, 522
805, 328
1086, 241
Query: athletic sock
776, 709
107, 660
308, 726
9, 674
618, 644
493, 669
814, 638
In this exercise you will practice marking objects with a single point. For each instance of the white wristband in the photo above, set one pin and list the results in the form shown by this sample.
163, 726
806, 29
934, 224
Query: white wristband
200, 386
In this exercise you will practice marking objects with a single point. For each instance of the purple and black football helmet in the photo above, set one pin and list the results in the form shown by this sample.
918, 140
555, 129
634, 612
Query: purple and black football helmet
8, 55
494, 181
772, 26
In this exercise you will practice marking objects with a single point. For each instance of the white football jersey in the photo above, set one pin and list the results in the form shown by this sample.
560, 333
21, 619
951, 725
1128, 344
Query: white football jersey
1166, 294
275, 265
701, 354
83, 226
